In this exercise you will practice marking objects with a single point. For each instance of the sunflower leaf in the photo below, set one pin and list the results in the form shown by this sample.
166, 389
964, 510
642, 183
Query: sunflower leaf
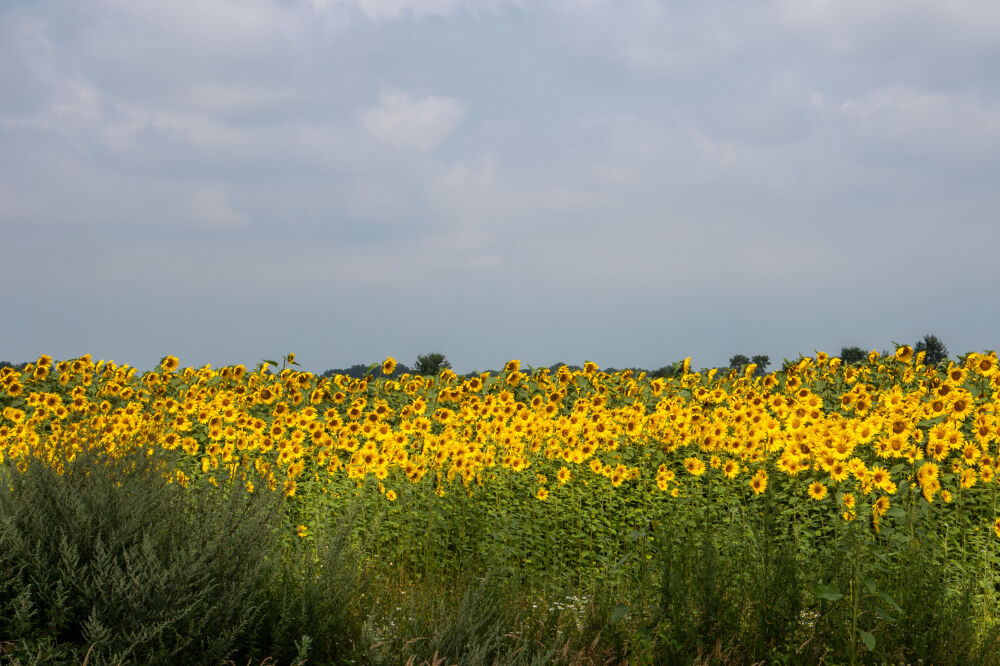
829, 592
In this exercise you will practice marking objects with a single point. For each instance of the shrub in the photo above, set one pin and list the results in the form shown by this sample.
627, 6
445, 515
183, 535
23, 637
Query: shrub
105, 559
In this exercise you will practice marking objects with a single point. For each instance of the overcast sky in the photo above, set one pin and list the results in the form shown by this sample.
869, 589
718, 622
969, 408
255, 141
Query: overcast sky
551, 180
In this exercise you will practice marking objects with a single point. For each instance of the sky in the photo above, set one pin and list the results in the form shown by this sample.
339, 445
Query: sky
627, 182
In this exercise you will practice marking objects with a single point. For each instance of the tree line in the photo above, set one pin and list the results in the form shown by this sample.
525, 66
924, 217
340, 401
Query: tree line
935, 353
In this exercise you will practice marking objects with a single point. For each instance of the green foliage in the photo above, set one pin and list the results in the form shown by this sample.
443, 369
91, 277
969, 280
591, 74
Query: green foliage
699, 608
934, 350
740, 361
761, 361
316, 597
481, 624
430, 364
853, 355
108, 560
933, 620
473, 572
667, 371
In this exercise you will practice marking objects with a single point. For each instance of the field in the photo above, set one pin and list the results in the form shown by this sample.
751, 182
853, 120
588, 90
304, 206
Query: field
824, 513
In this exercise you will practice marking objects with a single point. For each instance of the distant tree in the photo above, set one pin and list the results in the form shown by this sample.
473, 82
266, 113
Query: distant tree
761, 361
16, 366
852, 355
360, 370
430, 364
739, 361
672, 370
934, 350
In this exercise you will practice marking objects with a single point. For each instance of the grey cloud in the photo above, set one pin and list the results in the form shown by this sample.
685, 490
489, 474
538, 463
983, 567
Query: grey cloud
421, 124
626, 182
381, 10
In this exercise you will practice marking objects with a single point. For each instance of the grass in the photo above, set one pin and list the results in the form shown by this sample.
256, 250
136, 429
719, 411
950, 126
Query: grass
105, 563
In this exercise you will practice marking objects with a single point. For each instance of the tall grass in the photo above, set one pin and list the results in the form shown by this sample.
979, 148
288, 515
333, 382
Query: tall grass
103, 561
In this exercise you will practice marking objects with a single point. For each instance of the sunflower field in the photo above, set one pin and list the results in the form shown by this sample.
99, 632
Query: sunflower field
825, 512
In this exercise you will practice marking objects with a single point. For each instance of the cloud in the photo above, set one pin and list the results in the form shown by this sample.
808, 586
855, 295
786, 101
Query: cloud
532, 161
890, 25
413, 124
928, 123
49, 93
381, 10
670, 39
9, 206
211, 207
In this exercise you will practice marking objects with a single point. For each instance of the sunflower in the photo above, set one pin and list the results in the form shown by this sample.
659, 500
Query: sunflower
14, 414
759, 482
542, 494
900, 427
956, 375
694, 466
563, 475
986, 365
880, 476
817, 490
731, 469
388, 366
996, 526
170, 364
968, 478
927, 472
930, 488
961, 407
